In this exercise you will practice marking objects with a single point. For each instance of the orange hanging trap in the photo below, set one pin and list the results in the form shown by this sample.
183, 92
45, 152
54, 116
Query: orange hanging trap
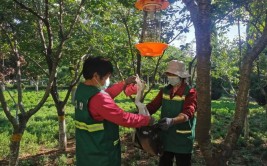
151, 31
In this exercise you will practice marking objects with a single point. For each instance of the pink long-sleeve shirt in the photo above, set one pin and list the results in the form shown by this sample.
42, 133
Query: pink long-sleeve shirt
102, 106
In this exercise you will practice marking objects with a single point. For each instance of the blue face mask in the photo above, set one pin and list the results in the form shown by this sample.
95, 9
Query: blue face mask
174, 80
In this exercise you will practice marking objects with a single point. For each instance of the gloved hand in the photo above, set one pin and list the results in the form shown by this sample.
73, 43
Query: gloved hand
165, 123
130, 80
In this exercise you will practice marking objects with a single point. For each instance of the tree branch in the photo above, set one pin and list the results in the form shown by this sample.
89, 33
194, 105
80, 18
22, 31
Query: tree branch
29, 10
6, 109
192, 8
261, 43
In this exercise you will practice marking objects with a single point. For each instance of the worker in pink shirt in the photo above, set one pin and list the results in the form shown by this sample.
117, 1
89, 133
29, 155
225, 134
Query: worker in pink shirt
98, 117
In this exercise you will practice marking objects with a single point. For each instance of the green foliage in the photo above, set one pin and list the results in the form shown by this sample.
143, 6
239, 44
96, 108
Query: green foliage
43, 160
259, 80
4, 140
227, 55
62, 160
26, 162
216, 88
264, 156
102, 31
29, 143
105, 28
42, 128
225, 65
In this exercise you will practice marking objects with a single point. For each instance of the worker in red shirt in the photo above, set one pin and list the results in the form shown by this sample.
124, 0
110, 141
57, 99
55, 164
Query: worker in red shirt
97, 116
178, 102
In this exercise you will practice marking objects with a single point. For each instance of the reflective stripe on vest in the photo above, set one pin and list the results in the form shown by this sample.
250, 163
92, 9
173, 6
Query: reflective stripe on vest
90, 128
184, 131
116, 142
177, 98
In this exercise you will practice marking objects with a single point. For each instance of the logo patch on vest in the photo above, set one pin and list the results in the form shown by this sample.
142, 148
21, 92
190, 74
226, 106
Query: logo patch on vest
81, 105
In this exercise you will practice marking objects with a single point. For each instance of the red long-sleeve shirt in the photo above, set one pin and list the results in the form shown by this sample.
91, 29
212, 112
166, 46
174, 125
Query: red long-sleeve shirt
190, 102
102, 106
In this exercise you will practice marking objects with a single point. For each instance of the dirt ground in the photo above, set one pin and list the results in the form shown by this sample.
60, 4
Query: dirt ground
131, 156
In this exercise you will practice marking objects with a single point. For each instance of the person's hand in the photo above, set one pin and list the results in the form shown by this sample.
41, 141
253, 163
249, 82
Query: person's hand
165, 123
140, 83
130, 80
151, 121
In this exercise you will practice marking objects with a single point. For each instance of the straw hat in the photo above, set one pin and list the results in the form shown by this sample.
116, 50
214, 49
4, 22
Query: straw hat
178, 68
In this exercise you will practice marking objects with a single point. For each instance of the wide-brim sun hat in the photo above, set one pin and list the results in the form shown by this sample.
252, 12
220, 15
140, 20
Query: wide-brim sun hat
178, 68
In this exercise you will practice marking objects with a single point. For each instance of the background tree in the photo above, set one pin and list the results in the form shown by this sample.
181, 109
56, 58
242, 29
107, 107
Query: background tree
30, 33
56, 22
200, 14
12, 30
257, 45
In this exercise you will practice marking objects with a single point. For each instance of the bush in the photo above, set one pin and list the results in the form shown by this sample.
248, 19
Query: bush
216, 88
15, 86
255, 90
258, 96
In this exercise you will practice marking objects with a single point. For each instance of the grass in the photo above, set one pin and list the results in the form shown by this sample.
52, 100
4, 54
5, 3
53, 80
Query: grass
42, 130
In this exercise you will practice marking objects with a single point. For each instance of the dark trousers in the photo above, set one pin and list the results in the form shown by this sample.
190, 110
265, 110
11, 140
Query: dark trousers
181, 159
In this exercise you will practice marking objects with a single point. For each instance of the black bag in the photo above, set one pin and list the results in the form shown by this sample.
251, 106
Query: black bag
148, 139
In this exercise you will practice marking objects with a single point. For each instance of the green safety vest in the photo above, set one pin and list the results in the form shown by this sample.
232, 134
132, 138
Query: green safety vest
178, 138
97, 142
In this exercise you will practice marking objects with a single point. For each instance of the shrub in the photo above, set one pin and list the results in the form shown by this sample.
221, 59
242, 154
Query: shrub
62, 160
216, 88
258, 96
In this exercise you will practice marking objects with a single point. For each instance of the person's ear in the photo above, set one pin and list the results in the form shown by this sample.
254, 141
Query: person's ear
95, 75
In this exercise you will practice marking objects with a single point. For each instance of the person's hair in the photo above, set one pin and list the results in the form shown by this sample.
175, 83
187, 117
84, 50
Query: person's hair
99, 65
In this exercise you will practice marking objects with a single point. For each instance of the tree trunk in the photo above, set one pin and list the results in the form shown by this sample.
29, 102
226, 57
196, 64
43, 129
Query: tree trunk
240, 114
246, 127
37, 85
14, 149
15, 145
201, 17
62, 126
60, 105
3, 87
138, 67
62, 133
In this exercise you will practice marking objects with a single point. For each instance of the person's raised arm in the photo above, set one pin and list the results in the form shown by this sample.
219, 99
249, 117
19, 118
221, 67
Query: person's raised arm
117, 88
102, 107
155, 104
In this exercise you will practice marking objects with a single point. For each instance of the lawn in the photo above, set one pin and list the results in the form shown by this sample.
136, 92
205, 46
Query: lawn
39, 142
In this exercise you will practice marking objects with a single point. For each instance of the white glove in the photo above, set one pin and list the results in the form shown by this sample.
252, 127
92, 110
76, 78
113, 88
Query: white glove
142, 108
140, 87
